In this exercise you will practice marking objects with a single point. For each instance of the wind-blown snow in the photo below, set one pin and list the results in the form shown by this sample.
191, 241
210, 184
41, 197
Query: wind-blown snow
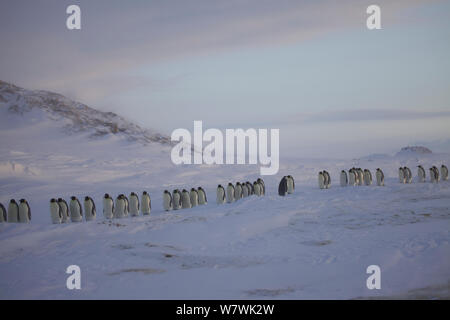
312, 244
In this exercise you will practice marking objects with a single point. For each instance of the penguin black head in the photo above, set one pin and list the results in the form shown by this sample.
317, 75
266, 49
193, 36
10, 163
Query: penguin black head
12, 201
106, 196
86, 198
230, 184
132, 194
219, 186
200, 188
165, 191
53, 200
145, 192
238, 183
60, 199
22, 201
73, 198
184, 190
193, 189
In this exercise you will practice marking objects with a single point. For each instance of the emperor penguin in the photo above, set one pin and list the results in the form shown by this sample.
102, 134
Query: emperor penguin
352, 177
258, 188
120, 207
436, 173
238, 191
250, 188
108, 207
167, 201
380, 177
444, 172
13, 211
244, 190
327, 179
421, 173
55, 212
290, 184
360, 177
194, 197
176, 199
146, 203
220, 199
408, 174
24, 211
321, 180
230, 193
282, 187
202, 200
343, 178
89, 209
76, 211
261, 182
64, 210
401, 175
134, 204
3, 214
185, 199
367, 177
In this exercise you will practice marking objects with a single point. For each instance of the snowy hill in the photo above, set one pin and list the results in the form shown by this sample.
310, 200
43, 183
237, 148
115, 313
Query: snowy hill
411, 150
311, 244
73, 116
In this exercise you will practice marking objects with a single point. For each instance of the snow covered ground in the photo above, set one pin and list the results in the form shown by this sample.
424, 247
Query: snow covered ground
312, 244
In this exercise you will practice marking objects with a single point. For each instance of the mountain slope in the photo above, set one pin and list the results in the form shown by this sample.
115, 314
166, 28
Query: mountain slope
75, 116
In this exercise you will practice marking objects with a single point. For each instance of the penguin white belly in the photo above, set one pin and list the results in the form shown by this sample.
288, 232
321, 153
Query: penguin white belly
119, 210
257, 188
220, 199
185, 200
167, 202
55, 213
230, 194
3, 214
444, 173
401, 176
176, 199
378, 176
24, 213
321, 181
237, 192
421, 175
201, 197
75, 212
64, 212
343, 179
367, 178
13, 213
290, 186
134, 206
89, 210
194, 198
244, 191
145, 205
108, 208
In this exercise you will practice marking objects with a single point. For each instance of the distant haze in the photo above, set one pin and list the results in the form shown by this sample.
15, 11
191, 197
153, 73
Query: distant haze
310, 68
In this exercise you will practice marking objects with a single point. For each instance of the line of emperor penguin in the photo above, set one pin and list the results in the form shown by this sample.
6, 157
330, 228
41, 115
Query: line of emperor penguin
146, 203
444, 172
282, 187
380, 177
134, 204
220, 194
89, 209
408, 174
367, 177
24, 211
167, 200
185, 199
230, 193
55, 212
3, 214
237, 191
193, 195
76, 211
13, 211
108, 206
421, 173
202, 200
290, 184
343, 179
120, 207
64, 210
176, 199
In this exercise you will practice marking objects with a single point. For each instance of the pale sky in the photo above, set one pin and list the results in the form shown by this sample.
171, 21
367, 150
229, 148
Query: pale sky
310, 68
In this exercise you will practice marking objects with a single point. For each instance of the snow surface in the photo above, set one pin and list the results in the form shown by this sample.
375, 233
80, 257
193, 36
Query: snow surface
312, 244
